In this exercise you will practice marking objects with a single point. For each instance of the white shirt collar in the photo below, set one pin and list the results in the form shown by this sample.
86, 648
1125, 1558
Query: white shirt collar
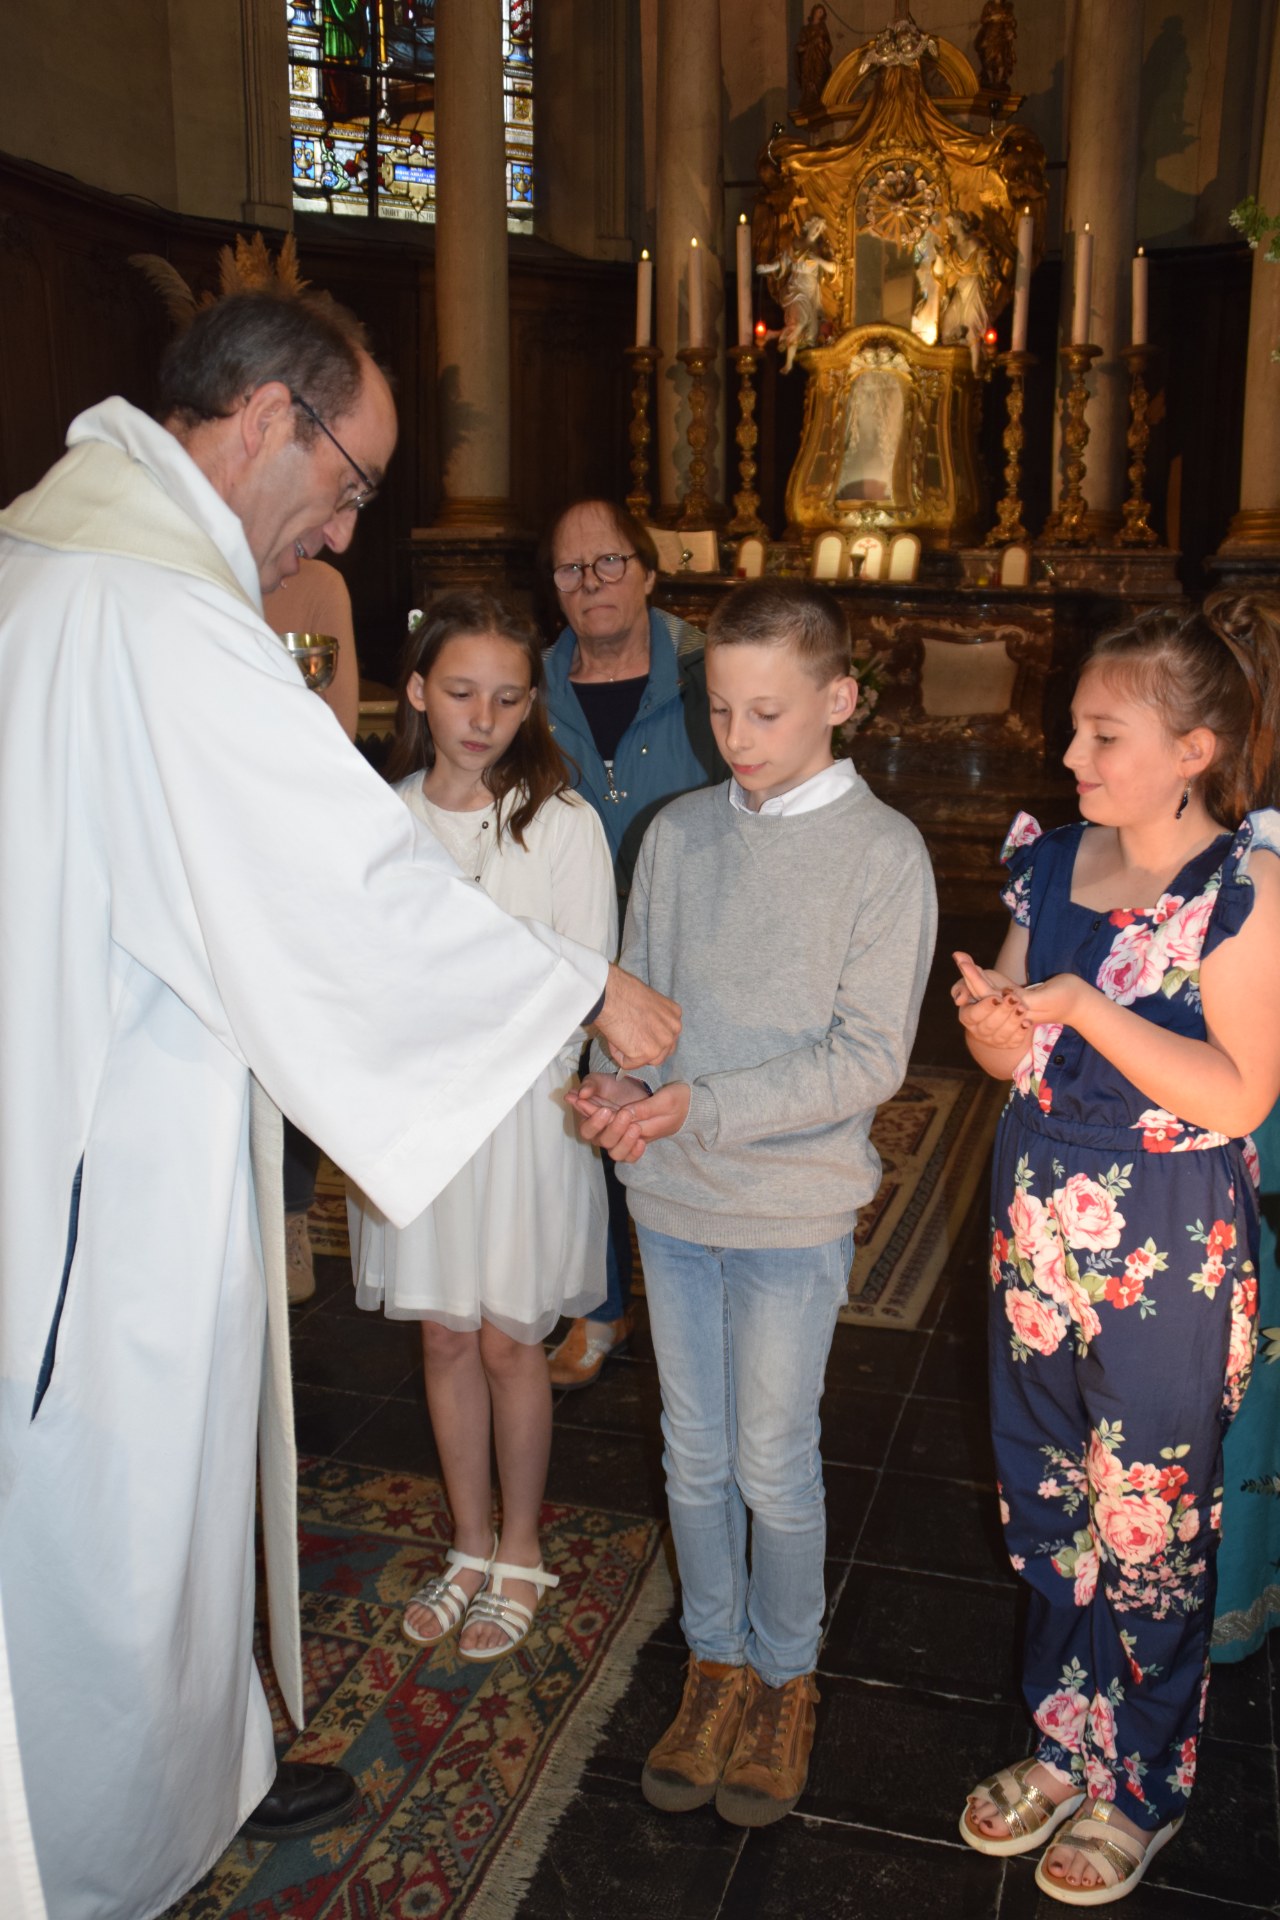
817, 791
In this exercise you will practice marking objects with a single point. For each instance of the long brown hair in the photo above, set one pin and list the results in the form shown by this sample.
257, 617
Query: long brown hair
1216, 667
532, 770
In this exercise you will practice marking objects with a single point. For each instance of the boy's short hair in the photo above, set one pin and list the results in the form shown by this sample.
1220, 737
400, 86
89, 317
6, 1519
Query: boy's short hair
786, 613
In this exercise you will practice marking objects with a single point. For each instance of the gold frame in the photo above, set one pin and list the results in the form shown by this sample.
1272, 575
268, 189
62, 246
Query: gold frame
942, 405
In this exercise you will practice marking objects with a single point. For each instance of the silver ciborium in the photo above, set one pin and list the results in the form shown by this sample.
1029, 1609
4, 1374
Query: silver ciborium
316, 655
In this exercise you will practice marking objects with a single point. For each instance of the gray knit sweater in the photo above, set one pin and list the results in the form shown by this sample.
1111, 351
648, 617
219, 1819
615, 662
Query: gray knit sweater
797, 946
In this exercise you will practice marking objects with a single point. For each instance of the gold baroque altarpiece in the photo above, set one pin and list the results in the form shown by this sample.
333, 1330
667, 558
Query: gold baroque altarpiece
892, 245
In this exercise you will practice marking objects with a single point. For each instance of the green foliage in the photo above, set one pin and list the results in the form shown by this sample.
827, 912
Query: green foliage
1252, 220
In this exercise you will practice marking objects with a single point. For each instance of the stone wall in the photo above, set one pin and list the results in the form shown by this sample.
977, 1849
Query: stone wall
158, 99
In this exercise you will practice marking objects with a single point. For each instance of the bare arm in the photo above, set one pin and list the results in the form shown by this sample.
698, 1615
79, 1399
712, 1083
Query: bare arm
1227, 1082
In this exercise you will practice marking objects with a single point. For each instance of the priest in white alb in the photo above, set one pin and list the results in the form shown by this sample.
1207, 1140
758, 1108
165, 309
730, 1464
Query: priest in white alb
211, 909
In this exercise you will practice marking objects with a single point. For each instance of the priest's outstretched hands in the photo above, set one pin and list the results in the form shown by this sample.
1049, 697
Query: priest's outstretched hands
639, 1026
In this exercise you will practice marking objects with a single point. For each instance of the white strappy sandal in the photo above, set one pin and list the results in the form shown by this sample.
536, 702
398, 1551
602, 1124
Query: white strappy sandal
493, 1608
445, 1598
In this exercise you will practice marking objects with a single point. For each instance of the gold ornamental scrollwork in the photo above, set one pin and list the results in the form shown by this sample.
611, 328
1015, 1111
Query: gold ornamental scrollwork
891, 247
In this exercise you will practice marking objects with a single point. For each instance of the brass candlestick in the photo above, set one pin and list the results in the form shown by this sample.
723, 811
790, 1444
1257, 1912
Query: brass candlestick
1137, 530
695, 507
747, 500
643, 361
1066, 527
1009, 527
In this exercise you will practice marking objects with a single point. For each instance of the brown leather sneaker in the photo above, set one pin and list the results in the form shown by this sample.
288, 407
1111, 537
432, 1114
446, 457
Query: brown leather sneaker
684, 1769
766, 1772
578, 1359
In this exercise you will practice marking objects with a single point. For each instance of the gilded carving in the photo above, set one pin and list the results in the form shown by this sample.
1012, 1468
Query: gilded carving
902, 228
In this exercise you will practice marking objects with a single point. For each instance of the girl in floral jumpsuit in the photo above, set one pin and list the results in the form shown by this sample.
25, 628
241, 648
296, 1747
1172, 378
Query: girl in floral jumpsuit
1123, 1279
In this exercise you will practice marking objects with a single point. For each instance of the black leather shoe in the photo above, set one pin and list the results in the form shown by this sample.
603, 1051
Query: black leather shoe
302, 1797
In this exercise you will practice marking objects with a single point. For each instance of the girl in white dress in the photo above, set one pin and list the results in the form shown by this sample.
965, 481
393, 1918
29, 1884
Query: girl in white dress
518, 1237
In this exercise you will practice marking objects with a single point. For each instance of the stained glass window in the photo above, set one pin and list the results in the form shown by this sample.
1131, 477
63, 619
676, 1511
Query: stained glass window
341, 51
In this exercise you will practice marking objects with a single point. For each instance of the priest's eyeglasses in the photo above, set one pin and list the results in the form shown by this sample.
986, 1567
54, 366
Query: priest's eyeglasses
608, 569
368, 489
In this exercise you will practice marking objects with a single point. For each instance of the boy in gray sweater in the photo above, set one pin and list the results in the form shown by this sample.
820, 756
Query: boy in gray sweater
792, 916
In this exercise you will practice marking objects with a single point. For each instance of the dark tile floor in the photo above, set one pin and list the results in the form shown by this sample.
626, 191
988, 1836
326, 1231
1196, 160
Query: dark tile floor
917, 1666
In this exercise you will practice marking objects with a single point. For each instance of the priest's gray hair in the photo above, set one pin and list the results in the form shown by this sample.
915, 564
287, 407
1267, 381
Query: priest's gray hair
248, 340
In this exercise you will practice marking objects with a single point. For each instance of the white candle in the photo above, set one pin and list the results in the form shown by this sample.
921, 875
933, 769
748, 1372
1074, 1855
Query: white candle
644, 299
744, 282
1138, 328
695, 294
1083, 288
1022, 283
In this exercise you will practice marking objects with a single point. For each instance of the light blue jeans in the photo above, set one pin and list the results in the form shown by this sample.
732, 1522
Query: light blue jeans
742, 1338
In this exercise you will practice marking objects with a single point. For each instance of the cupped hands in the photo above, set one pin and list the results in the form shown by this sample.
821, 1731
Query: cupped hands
621, 1116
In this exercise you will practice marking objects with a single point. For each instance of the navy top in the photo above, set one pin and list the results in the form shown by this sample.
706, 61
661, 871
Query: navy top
1144, 958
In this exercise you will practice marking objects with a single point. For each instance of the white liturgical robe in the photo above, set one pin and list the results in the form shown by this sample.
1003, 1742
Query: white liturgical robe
201, 882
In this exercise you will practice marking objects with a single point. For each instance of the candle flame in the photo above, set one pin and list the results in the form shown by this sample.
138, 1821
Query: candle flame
1086, 226
742, 219
694, 241
644, 253
1142, 252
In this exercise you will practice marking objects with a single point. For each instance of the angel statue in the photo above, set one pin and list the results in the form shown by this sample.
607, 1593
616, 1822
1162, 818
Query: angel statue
930, 273
965, 315
771, 211
800, 269
813, 60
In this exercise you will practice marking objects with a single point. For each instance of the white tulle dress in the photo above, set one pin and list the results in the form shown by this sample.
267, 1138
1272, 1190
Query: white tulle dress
518, 1236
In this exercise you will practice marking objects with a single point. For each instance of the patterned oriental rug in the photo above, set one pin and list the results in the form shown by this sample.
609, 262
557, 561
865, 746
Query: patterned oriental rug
464, 1769
934, 1141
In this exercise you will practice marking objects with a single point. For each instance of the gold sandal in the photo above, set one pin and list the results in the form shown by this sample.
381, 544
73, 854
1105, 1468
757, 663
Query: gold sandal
1111, 1852
1028, 1813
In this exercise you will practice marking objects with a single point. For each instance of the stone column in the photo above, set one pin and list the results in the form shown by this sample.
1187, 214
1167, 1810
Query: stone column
580, 56
1257, 524
264, 34
690, 200
472, 321
1104, 77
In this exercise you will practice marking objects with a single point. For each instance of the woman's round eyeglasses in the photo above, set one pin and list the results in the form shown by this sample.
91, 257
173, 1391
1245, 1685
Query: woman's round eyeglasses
608, 569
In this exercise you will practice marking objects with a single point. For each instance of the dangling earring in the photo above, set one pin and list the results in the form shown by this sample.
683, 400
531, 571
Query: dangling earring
1182, 804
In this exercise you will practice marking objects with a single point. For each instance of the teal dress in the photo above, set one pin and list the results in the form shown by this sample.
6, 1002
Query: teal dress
1248, 1603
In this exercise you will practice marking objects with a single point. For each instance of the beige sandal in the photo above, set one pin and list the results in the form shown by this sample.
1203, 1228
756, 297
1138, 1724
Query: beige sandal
1111, 1852
445, 1598
1029, 1815
493, 1608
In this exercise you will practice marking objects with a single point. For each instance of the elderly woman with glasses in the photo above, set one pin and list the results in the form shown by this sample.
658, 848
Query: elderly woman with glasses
627, 696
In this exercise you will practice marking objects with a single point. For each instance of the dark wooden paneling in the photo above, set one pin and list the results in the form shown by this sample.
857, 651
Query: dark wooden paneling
78, 323
1200, 322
